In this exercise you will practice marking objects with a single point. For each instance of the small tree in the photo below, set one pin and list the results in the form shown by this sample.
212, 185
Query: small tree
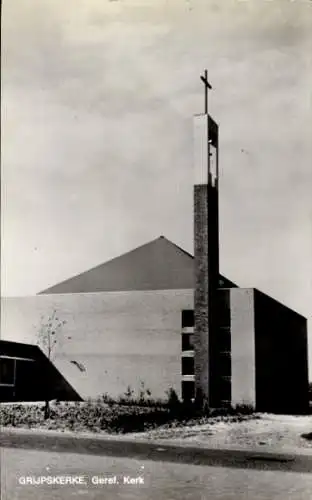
173, 402
48, 338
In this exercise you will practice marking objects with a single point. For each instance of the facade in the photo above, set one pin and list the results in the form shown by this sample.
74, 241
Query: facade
125, 337
260, 354
113, 340
158, 318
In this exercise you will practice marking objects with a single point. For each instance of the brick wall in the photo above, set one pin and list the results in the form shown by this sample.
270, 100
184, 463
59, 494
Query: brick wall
201, 296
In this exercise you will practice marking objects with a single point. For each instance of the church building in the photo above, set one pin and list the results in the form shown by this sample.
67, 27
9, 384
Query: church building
158, 318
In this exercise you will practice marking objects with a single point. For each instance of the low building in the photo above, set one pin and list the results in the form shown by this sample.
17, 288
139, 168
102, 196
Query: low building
26, 374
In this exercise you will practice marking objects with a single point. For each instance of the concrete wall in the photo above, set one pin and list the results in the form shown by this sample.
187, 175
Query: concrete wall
243, 346
281, 357
121, 338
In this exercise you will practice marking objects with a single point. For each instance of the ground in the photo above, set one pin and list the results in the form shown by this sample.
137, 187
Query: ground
162, 480
259, 479
263, 431
278, 432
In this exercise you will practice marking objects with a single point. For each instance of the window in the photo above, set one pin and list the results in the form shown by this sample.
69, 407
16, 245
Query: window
187, 342
188, 390
187, 318
6, 371
187, 366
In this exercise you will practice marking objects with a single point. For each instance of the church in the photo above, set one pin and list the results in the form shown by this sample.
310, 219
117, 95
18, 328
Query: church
158, 318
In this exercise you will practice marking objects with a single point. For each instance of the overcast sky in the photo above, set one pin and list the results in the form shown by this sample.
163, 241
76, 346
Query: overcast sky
97, 105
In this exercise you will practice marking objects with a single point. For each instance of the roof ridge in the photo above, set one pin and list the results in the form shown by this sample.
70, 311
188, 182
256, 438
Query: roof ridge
179, 248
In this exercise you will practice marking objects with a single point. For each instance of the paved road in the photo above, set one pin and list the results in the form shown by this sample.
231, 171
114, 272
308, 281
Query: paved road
156, 452
159, 480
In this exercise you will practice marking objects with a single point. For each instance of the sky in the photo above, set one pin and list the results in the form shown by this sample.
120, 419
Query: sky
97, 105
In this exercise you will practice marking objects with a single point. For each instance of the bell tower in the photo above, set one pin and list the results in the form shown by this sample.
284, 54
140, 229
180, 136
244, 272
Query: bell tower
206, 247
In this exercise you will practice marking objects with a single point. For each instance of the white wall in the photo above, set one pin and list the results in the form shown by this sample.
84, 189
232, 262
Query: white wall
243, 346
122, 338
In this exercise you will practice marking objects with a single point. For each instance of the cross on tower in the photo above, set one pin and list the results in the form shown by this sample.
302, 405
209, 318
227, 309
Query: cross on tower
204, 79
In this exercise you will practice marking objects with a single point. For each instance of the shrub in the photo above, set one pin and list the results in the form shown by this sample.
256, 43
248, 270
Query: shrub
173, 402
244, 409
89, 415
105, 415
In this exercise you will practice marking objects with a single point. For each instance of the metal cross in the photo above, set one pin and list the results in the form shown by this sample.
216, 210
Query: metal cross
204, 79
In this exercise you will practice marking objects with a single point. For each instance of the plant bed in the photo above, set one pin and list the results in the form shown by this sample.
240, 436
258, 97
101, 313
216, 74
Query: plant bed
113, 418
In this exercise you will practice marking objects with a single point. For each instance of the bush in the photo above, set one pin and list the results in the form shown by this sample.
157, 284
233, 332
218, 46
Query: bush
173, 402
106, 415
89, 415
244, 409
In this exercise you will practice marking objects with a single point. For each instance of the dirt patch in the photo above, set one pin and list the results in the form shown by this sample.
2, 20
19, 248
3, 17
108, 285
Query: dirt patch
278, 432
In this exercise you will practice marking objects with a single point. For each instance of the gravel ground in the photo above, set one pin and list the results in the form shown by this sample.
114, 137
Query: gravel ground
279, 432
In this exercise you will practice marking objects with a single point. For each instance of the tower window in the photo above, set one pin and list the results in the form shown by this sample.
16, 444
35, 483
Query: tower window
187, 341
188, 390
187, 318
187, 366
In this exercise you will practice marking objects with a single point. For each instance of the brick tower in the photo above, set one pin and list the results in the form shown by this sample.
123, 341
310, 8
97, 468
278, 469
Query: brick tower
206, 250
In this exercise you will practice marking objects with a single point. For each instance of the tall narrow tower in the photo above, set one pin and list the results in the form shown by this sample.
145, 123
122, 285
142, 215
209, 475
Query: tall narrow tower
206, 247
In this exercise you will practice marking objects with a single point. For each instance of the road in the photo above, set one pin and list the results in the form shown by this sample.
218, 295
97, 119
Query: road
141, 450
160, 480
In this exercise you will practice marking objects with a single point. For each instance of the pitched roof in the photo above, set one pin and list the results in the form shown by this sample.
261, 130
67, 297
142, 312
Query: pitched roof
157, 265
